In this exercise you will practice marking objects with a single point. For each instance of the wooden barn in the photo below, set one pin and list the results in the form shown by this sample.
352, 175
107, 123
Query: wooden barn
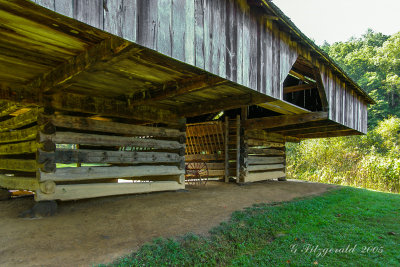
156, 91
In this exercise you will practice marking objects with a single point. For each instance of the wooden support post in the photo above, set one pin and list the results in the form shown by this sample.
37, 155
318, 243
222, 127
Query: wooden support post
237, 148
226, 142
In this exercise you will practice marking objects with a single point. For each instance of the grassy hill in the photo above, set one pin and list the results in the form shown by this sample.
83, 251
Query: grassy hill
346, 226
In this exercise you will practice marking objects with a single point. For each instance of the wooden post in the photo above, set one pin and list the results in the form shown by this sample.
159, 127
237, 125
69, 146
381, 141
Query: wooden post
243, 147
226, 141
237, 148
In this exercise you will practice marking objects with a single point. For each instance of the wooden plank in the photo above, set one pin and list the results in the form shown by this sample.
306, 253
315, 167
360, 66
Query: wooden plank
178, 29
87, 124
216, 166
204, 157
165, 30
264, 160
19, 148
285, 120
7, 108
189, 32
237, 148
265, 167
89, 12
321, 89
265, 151
110, 107
261, 176
199, 33
147, 23
68, 156
82, 191
64, 7
105, 140
226, 145
215, 173
297, 88
267, 144
18, 183
93, 173
19, 121
19, 135
264, 135
18, 165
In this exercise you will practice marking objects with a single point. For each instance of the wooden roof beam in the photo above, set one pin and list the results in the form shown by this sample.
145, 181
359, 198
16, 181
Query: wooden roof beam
280, 121
103, 51
297, 88
110, 107
225, 103
177, 88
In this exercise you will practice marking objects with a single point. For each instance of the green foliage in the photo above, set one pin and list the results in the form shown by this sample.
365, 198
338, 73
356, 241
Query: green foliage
370, 161
373, 61
278, 234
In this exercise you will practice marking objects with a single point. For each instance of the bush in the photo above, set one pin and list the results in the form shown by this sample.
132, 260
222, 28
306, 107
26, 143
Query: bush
369, 161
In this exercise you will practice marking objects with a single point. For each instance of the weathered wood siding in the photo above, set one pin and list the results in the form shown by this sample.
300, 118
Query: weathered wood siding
216, 35
220, 37
345, 105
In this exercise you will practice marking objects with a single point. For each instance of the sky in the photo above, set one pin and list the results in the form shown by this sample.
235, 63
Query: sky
338, 20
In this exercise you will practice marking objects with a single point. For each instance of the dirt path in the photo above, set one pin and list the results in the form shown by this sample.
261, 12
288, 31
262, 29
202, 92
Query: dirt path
99, 230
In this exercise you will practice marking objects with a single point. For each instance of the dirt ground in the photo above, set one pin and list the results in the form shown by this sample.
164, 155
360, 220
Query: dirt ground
100, 230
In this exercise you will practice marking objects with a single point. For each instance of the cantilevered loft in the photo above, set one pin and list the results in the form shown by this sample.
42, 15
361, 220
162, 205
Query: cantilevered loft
114, 83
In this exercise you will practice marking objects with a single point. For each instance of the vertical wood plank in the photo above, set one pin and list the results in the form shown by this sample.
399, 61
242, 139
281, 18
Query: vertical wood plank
49, 4
261, 46
247, 40
239, 27
113, 17
129, 16
253, 52
147, 23
89, 12
222, 38
208, 35
189, 32
164, 25
178, 29
64, 7
199, 33
268, 58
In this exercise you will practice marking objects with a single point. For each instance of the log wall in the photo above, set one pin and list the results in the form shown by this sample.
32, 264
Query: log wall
63, 157
263, 156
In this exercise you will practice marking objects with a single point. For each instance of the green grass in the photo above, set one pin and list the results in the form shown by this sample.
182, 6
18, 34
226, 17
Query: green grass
278, 234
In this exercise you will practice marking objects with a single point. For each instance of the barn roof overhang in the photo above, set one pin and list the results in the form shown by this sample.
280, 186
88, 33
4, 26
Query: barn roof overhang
52, 60
286, 24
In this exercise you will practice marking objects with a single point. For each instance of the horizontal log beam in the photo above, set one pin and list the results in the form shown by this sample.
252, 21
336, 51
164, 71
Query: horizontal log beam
20, 121
102, 51
266, 144
204, 157
178, 88
82, 191
285, 120
297, 88
110, 107
68, 156
18, 183
93, 173
263, 135
19, 148
18, 165
268, 167
19, 135
266, 151
7, 108
329, 134
225, 103
265, 160
261, 176
106, 140
87, 124
321, 129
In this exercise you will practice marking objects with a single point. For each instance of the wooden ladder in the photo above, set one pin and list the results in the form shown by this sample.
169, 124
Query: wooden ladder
232, 148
